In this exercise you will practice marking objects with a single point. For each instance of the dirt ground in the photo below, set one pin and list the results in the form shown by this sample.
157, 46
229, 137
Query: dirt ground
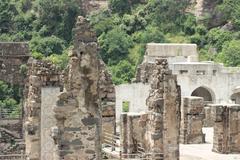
204, 151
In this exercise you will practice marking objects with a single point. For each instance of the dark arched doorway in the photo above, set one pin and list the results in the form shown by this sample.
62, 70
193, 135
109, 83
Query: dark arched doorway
205, 93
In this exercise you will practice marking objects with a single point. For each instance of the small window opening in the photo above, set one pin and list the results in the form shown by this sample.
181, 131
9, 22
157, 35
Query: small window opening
214, 72
183, 71
125, 106
200, 72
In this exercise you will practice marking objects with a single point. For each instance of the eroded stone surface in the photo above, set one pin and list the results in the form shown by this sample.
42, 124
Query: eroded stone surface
226, 128
78, 111
162, 122
192, 115
12, 56
40, 74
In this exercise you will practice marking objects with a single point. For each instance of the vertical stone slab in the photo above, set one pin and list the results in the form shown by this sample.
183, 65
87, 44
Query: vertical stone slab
78, 111
192, 115
32, 118
124, 133
171, 124
226, 128
49, 97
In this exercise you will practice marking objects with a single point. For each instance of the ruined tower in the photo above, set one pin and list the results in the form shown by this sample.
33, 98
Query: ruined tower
78, 110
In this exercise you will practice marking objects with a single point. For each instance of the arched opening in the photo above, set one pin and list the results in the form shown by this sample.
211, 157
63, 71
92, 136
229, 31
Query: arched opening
205, 93
236, 98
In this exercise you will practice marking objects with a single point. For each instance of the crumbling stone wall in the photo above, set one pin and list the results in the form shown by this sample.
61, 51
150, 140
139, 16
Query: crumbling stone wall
226, 128
12, 56
40, 74
162, 122
78, 110
192, 115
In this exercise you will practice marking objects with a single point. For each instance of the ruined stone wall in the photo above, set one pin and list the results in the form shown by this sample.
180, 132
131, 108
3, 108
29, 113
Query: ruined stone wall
78, 110
226, 128
162, 122
40, 74
12, 56
192, 115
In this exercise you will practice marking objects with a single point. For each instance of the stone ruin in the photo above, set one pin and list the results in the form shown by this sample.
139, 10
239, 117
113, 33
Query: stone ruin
12, 56
40, 75
192, 115
78, 111
66, 114
157, 130
68, 124
226, 128
162, 120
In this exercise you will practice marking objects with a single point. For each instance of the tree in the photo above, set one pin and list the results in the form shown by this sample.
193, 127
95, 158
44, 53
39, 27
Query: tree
58, 17
119, 6
114, 45
7, 13
231, 53
231, 11
168, 14
123, 72
47, 45
217, 37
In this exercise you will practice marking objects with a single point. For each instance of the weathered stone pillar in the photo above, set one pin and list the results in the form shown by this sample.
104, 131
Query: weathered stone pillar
32, 118
163, 118
226, 128
192, 115
78, 110
124, 133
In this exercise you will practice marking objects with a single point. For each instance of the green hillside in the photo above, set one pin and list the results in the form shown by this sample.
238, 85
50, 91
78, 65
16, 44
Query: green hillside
123, 30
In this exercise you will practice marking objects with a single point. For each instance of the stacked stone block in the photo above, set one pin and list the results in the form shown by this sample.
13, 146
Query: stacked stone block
226, 128
162, 122
192, 115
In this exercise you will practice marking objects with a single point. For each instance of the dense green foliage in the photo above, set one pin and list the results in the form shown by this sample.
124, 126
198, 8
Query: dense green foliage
9, 98
47, 24
123, 30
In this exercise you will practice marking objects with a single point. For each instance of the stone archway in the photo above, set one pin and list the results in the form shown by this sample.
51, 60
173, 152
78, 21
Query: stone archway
204, 92
235, 97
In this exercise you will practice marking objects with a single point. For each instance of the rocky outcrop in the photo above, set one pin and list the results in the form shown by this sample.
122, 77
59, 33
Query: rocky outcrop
206, 10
